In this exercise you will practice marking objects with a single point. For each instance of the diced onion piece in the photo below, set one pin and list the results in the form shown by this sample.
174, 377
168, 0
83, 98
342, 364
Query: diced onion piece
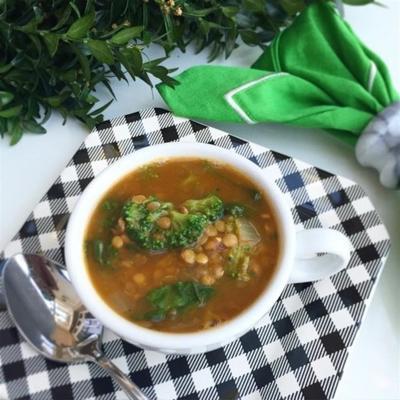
247, 232
121, 301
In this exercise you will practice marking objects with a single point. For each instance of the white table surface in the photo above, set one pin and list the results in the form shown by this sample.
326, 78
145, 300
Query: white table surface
373, 370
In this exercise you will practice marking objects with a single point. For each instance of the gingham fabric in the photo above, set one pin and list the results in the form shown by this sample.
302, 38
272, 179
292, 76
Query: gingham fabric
298, 351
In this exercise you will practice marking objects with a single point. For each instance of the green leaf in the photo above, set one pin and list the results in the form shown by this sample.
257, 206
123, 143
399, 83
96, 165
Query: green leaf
230, 42
250, 38
15, 130
235, 209
198, 12
238, 262
33, 127
84, 62
98, 248
62, 17
131, 58
150, 64
90, 99
292, 7
11, 112
5, 68
30, 27
51, 40
254, 5
124, 36
230, 11
204, 26
101, 109
255, 195
75, 8
103, 253
178, 296
80, 27
88, 6
5, 98
56, 101
69, 75
101, 51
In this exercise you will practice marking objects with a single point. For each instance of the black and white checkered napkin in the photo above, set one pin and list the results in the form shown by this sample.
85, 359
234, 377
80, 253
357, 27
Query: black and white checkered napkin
297, 351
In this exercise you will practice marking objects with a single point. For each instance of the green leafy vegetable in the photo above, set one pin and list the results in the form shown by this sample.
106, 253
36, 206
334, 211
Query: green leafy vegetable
103, 253
176, 297
185, 229
256, 195
238, 262
235, 209
141, 223
211, 206
112, 210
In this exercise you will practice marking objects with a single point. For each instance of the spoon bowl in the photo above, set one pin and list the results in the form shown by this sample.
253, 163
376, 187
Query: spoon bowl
50, 316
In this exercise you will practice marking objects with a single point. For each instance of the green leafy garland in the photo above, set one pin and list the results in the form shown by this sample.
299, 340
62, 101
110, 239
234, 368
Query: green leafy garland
53, 53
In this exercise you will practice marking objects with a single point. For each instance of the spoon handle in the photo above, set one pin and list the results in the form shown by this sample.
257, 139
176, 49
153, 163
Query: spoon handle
131, 390
2, 298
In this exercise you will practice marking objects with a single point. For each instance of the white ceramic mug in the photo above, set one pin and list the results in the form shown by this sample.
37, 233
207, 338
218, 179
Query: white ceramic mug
300, 256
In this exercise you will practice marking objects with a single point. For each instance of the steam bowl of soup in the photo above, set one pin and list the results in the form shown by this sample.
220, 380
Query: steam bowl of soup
181, 252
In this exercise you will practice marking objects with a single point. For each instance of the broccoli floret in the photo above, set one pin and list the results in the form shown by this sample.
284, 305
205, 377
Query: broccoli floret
211, 206
133, 214
239, 262
186, 229
141, 223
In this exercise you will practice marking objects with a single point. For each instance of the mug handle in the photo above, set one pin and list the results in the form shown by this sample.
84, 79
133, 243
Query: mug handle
319, 253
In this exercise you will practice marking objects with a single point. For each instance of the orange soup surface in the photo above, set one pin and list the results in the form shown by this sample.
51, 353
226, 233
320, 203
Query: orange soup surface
182, 245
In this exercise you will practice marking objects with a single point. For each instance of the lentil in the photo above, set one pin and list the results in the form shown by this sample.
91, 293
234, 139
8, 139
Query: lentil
139, 198
164, 222
230, 240
117, 242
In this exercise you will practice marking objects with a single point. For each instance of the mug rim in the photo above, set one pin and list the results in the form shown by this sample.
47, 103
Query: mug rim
166, 341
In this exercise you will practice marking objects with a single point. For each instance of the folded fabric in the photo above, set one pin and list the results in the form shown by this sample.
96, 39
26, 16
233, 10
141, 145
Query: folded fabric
315, 73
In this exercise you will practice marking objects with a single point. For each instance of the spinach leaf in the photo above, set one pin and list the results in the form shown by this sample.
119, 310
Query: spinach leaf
235, 209
102, 253
110, 205
112, 210
178, 296
256, 195
238, 263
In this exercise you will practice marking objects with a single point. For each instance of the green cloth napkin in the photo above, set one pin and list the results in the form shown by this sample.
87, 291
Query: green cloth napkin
316, 73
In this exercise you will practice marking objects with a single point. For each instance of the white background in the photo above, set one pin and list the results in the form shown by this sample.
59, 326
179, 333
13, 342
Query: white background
373, 369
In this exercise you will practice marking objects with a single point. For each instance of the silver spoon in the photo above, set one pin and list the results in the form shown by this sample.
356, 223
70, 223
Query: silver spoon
50, 316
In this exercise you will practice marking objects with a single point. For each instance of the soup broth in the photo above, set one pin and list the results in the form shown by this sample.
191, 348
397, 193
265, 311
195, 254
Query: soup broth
182, 245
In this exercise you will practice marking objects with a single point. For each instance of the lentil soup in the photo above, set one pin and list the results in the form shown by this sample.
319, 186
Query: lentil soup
181, 245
